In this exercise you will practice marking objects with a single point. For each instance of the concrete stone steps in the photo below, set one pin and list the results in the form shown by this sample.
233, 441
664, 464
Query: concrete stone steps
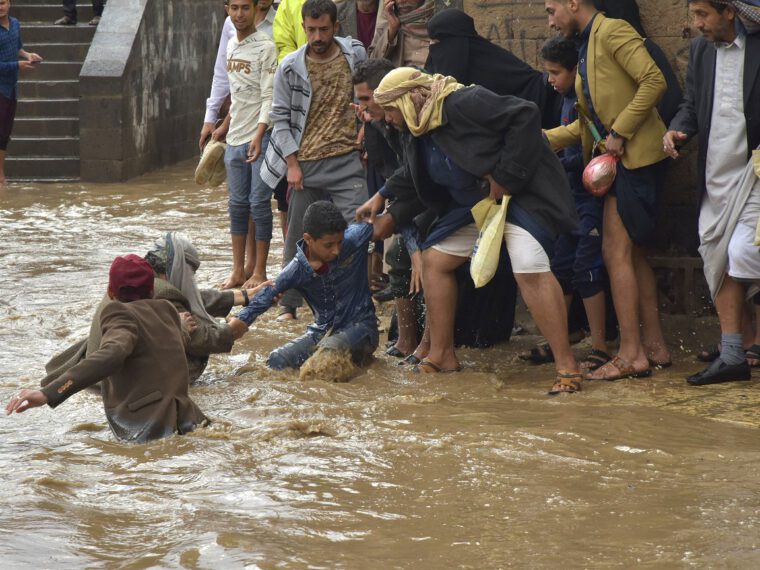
48, 107
31, 11
44, 146
48, 33
44, 127
45, 140
52, 70
55, 89
59, 51
46, 167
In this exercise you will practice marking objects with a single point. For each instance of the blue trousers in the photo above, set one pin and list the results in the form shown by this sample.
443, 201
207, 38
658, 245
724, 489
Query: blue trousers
577, 262
360, 340
249, 195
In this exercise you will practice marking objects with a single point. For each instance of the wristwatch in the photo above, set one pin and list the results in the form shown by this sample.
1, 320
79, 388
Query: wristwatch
615, 135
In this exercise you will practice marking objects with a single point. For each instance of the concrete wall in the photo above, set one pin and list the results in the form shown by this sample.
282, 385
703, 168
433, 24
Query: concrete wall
144, 85
521, 26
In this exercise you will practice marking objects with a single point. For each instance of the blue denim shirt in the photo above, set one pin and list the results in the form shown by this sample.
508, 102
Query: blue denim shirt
10, 44
339, 298
572, 156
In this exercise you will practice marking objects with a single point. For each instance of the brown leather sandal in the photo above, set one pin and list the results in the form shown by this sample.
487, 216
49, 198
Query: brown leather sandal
623, 368
567, 383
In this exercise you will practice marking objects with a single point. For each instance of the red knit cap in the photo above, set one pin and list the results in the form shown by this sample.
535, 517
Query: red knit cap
130, 278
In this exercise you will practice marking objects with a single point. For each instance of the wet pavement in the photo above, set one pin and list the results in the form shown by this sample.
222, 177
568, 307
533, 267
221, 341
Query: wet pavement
471, 470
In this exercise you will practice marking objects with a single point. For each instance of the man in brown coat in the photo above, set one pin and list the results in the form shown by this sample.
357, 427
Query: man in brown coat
141, 361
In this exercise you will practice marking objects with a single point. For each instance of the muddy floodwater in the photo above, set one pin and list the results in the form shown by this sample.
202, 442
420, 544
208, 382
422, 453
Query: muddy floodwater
471, 470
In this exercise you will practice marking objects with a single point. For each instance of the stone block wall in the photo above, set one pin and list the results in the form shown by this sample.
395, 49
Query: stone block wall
144, 85
521, 26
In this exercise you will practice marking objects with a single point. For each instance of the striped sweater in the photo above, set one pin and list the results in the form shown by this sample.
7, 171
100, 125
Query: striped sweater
290, 106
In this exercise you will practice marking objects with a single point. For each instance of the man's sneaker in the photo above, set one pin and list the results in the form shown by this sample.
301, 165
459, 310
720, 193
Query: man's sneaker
95, 21
65, 21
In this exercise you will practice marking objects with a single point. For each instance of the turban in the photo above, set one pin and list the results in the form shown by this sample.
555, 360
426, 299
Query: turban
419, 96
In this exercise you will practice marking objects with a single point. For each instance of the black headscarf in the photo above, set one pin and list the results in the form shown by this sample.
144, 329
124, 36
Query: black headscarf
627, 10
472, 59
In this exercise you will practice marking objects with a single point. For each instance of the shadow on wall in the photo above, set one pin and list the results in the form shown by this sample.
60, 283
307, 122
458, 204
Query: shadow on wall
144, 85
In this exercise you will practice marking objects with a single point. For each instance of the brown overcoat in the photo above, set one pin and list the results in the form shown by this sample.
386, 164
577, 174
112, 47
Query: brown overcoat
141, 363
208, 338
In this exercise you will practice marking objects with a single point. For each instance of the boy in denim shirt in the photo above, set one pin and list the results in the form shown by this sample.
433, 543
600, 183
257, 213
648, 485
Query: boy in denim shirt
577, 261
330, 271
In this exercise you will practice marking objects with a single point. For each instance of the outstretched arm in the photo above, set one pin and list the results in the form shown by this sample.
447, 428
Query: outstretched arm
288, 278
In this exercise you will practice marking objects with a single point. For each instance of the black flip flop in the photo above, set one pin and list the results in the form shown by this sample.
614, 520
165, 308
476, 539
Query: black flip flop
541, 354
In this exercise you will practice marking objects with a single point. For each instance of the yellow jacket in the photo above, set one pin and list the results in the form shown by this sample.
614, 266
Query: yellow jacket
625, 86
288, 28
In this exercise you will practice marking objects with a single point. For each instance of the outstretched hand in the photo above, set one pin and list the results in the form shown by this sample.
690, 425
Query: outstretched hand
370, 209
26, 400
670, 142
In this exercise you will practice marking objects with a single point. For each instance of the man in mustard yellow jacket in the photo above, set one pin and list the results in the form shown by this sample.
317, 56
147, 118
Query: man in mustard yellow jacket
618, 86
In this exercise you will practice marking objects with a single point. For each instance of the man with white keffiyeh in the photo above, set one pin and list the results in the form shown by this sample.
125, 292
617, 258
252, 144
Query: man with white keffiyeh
722, 104
174, 260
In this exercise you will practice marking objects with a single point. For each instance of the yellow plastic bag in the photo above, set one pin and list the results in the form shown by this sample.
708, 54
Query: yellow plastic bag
490, 218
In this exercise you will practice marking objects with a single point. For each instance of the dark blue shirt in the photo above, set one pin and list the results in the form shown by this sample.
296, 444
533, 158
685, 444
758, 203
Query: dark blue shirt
572, 156
462, 187
583, 40
10, 44
339, 297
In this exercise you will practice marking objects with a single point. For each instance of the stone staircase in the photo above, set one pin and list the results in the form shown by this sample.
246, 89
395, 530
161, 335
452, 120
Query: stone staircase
45, 141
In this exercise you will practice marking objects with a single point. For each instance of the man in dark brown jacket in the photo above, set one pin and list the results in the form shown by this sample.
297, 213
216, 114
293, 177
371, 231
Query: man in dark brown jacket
141, 361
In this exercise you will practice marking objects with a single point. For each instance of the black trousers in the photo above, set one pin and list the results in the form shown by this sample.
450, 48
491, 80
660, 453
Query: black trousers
70, 8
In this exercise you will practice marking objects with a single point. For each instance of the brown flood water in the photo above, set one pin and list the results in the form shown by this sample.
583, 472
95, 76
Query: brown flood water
474, 470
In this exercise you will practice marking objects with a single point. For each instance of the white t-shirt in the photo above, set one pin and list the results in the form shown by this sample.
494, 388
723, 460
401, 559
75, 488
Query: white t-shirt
220, 88
251, 65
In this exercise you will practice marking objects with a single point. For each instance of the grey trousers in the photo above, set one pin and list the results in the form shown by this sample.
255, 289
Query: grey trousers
339, 179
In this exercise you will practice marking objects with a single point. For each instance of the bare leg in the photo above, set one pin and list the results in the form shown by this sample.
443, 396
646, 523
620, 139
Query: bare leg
596, 313
237, 277
407, 327
651, 329
423, 348
284, 224
260, 270
618, 255
753, 338
250, 249
729, 304
440, 286
543, 296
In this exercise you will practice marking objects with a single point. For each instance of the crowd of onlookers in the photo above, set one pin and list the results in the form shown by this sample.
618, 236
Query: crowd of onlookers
379, 127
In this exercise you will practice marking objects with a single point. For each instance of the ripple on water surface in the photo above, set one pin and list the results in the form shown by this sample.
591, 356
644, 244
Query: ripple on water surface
476, 470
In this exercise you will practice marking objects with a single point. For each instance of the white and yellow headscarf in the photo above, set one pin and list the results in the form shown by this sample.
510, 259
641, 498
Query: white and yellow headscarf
418, 95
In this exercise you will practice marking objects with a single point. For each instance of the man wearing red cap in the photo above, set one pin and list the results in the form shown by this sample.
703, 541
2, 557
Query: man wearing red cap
141, 361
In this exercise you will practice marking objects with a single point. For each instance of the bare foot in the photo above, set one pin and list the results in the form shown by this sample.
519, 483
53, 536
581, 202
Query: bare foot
404, 347
254, 281
236, 279
658, 355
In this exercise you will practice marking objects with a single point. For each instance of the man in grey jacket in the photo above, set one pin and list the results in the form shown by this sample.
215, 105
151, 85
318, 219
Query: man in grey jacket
314, 136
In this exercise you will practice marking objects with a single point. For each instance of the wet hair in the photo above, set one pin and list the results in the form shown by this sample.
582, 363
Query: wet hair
372, 71
323, 218
562, 51
317, 8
